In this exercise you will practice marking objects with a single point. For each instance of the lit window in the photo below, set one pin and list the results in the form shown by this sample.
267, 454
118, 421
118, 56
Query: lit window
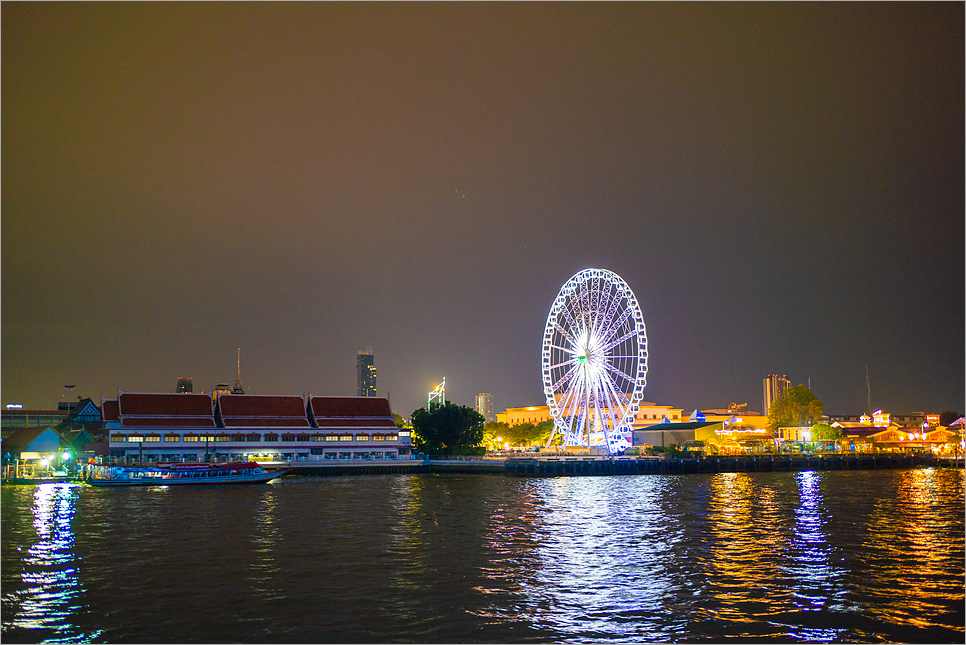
331, 437
153, 438
172, 438
135, 437
190, 437
345, 437
362, 437
118, 438
378, 437
317, 437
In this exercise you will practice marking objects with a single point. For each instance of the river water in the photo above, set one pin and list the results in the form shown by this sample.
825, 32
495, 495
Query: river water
847, 556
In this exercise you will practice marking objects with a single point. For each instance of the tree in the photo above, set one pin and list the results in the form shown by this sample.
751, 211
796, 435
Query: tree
825, 432
447, 429
399, 421
797, 407
495, 434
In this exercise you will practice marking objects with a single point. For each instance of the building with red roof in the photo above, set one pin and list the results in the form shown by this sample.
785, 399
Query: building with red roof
163, 427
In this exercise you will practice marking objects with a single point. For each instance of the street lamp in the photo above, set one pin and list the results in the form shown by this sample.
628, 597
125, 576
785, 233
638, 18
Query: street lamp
69, 388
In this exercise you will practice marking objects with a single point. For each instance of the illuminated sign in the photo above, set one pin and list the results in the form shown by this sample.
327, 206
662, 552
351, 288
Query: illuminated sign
19, 406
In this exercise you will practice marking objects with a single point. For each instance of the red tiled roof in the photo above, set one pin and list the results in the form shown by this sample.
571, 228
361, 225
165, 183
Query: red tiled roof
169, 405
167, 422
110, 410
266, 422
250, 411
355, 423
350, 406
247, 405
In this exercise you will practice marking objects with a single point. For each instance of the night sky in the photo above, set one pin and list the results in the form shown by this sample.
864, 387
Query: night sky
781, 185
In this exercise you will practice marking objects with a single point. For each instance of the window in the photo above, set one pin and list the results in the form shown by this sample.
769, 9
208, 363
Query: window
362, 437
271, 437
392, 437
253, 438
188, 457
135, 438
288, 437
378, 437
345, 437
302, 437
315, 451
118, 438
190, 437
238, 437
209, 437
172, 438
331, 437
223, 437
153, 438
317, 437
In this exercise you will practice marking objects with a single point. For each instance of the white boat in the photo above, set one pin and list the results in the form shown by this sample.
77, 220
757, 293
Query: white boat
182, 474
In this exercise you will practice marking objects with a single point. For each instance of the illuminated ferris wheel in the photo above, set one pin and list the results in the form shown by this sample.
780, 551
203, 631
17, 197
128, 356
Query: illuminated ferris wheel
594, 361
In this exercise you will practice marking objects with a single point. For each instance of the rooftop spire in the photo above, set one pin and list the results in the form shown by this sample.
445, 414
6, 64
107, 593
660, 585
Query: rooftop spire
238, 386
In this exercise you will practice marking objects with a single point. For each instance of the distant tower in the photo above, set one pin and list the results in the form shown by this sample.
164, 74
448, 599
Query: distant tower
238, 387
366, 373
484, 405
438, 394
774, 386
184, 385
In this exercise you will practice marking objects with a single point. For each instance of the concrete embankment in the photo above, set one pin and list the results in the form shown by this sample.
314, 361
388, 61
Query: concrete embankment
757, 463
569, 466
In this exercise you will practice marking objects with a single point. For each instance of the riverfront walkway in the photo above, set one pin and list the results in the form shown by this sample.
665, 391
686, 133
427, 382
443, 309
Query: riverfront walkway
571, 466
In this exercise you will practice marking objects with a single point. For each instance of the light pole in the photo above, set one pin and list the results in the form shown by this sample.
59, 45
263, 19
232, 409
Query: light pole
69, 388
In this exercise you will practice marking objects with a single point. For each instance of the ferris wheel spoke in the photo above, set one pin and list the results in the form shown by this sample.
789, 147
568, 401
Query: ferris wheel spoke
618, 372
563, 349
566, 377
567, 334
618, 324
614, 343
612, 302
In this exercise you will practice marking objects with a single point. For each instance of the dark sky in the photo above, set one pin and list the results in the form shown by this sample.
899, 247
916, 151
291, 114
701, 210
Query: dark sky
781, 185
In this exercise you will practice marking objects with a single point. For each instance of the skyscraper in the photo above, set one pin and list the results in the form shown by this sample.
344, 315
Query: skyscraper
184, 385
366, 373
774, 386
484, 405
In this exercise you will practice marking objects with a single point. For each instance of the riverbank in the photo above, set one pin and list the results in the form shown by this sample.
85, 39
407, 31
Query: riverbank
571, 466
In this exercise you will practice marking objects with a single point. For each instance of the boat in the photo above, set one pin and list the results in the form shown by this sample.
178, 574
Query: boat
248, 472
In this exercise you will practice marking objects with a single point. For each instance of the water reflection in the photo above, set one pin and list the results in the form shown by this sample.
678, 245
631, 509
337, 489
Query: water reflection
605, 544
48, 601
911, 560
264, 565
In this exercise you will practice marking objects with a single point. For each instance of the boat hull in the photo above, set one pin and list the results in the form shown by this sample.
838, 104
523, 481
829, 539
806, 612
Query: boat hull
186, 481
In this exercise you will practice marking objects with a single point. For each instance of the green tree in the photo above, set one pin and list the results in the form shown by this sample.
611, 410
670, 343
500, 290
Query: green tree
495, 434
399, 421
797, 407
447, 429
825, 432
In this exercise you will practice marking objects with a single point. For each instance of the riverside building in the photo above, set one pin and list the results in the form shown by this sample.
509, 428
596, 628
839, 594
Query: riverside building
160, 427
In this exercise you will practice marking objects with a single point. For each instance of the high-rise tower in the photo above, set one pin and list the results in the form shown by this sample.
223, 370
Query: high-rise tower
484, 405
774, 386
366, 373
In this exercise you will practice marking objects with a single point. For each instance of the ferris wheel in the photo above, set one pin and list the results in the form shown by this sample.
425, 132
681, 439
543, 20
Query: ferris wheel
594, 361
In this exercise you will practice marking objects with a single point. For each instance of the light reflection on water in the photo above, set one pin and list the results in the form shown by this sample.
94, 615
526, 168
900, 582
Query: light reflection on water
50, 594
786, 557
